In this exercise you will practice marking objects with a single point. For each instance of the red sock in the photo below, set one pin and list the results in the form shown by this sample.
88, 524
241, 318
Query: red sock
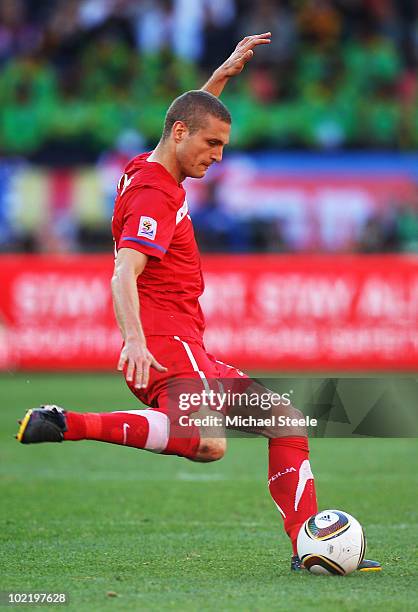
291, 482
146, 429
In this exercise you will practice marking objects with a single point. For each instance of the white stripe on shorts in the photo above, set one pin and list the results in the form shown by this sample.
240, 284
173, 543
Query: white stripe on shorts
194, 363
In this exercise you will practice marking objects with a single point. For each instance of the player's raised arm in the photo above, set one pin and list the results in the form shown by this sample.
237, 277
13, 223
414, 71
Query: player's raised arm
235, 63
135, 358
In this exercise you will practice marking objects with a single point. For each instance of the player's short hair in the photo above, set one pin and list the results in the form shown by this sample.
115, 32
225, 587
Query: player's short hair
192, 108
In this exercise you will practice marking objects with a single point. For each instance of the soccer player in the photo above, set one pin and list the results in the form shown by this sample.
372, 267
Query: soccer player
156, 287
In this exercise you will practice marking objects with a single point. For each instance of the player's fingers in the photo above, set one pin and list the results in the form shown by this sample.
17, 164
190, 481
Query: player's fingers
242, 42
145, 374
138, 374
243, 53
264, 35
258, 39
255, 39
157, 366
243, 58
121, 362
130, 370
254, 43
142, 375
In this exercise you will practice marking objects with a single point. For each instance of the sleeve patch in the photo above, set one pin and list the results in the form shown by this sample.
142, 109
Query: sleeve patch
147, 228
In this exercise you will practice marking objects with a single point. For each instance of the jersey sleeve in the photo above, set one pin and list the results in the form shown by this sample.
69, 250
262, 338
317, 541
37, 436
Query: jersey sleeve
148, 222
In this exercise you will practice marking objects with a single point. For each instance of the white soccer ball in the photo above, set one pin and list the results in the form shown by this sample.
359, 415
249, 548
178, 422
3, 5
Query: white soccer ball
331, 542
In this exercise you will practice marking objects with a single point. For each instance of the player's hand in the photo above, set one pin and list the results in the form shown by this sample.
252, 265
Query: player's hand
244, 51
136, 360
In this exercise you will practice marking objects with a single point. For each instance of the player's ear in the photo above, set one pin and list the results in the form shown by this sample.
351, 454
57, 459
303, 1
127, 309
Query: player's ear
179, 131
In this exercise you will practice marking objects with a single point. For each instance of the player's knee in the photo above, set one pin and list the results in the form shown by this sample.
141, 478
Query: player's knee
288, 412
211, 449
289, 421
295, 413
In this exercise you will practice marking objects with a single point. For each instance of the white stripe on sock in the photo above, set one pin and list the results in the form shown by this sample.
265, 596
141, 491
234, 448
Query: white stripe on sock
280, 510
159, 430
305, 474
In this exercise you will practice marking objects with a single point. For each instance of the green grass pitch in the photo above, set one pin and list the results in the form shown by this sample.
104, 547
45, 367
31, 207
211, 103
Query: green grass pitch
162, 533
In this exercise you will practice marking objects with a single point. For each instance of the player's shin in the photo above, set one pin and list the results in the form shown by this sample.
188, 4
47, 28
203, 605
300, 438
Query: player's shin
291, 482
144, 429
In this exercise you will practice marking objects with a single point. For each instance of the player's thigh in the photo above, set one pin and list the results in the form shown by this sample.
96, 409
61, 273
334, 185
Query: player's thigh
191, 375
260, 411
184, 359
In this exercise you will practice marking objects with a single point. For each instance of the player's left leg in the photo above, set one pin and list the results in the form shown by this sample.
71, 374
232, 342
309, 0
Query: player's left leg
290, 478
291, 482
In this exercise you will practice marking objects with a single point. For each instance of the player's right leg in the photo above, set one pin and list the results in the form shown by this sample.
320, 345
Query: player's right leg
45, 424
210, 449
156, 430
142, 429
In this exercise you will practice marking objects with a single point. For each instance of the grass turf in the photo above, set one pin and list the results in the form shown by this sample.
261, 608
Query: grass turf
121, 529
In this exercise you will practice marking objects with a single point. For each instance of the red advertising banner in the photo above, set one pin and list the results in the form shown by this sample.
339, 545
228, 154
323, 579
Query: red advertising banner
56, 313
313, 312
354, 313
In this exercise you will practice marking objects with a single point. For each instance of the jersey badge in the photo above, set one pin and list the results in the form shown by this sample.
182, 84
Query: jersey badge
147, 227
182, 212
124, 183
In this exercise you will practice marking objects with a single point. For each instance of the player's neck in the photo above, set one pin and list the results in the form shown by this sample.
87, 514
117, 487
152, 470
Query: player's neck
164, 156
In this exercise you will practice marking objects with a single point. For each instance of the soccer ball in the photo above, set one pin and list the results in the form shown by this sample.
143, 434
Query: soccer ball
331, 542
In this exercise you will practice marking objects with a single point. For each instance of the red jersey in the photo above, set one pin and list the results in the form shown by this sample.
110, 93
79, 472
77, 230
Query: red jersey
151, 216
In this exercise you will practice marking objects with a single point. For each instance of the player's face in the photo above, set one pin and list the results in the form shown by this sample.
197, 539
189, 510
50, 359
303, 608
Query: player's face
197, 151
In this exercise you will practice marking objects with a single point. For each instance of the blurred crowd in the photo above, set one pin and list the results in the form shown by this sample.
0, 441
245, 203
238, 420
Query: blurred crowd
87, 82
240, 207
76, 74
393, 228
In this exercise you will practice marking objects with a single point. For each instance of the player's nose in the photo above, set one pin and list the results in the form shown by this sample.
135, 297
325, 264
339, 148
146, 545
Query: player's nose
217, 155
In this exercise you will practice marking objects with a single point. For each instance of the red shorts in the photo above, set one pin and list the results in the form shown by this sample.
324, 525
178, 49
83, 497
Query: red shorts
190, 369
